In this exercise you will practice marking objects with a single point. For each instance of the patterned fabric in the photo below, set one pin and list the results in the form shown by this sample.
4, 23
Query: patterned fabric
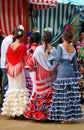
54, 2
11, 15
82, 14
81, 89
41, 98
66, 99
38, 106
29, 84
42, 4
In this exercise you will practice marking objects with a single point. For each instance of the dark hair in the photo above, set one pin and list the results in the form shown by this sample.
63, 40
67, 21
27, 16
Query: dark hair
18, 32
81, 32
35, 37
47, 38
13, 31
1, 37
68, 35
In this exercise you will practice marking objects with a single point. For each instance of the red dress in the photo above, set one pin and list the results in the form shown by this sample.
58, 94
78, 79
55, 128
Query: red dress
41, 98
29, 75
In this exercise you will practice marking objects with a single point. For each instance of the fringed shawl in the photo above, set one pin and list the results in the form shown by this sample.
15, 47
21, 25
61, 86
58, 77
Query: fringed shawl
15, 60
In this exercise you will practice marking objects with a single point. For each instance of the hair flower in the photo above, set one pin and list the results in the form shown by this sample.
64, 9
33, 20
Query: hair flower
19, 32
21, 27
48, 29
67, 27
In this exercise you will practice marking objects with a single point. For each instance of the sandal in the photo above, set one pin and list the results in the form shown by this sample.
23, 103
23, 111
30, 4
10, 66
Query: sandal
66, 122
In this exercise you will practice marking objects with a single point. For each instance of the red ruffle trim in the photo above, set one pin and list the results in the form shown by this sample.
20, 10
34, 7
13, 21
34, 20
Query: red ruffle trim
38, 107
35, 115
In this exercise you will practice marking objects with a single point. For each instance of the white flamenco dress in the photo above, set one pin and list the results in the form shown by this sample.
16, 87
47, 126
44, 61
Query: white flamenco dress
16, 97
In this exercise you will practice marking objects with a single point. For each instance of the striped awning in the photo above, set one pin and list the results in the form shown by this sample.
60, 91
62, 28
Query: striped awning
44, 2
82, 14
74, 2
11, 14
54, 2
56, 18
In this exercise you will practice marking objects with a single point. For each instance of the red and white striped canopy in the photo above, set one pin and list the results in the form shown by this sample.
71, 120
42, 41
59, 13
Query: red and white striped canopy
11, 14
41, 4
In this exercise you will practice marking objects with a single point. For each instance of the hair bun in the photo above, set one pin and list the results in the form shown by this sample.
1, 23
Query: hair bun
19, 31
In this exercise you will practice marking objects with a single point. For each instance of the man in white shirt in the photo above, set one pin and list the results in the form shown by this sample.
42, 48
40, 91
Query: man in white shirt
5, 43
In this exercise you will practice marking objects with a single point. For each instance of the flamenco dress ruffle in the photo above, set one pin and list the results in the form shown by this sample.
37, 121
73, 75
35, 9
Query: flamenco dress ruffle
38, 106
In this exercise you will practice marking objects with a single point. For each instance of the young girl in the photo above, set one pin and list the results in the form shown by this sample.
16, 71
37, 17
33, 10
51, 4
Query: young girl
16, 97
65, 105
42, 94
34, 42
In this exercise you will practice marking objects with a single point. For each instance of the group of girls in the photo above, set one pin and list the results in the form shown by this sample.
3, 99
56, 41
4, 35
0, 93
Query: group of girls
54, 75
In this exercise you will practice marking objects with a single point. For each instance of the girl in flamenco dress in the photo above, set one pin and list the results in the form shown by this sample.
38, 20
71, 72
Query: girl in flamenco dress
41, 97
65, 105
29, 84
16, 97
34, 42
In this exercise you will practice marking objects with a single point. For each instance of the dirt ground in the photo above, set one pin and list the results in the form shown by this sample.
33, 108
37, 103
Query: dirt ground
10, 124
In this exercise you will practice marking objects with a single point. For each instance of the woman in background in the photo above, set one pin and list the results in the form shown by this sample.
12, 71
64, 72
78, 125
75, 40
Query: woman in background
28, 44
29, 84
34, 42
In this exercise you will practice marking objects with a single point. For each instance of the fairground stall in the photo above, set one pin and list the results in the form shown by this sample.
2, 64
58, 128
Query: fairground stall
42, 13
55, 14
39, 14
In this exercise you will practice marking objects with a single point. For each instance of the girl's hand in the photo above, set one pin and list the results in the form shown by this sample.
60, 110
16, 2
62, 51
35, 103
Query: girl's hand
28, 52
47, 53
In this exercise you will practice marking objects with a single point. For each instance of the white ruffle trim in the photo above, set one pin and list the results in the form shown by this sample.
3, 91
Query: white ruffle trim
15, 102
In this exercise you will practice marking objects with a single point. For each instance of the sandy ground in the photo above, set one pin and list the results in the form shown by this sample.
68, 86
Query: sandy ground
8, 124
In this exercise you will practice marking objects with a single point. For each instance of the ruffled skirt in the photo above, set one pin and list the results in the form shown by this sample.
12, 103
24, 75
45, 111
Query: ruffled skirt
38, 106
65, 101
16, 97
29, 84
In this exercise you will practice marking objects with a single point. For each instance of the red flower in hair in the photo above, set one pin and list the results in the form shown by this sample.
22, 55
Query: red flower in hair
67, 27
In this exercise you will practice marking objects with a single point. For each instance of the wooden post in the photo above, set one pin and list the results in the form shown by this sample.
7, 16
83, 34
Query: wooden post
27, 21
26, 16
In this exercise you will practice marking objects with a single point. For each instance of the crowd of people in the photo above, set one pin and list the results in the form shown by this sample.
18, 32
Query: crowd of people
42, 80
